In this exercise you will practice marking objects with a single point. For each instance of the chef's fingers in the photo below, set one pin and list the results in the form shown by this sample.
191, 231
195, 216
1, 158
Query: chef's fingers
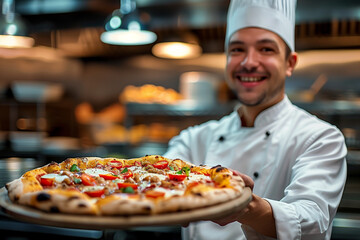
234, 217
186, 224
248, 180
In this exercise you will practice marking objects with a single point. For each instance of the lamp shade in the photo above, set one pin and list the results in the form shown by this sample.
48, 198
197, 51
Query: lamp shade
12, 28
178, 45
126, 27
176, 50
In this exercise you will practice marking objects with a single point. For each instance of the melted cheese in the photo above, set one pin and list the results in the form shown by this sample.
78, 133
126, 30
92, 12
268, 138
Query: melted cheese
198, 177
96, 171
169, 193
92, 188
57, 178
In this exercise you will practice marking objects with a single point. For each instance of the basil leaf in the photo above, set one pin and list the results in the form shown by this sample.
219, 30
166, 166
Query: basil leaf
74, 168
128, 190
186, 170
125, 170
77, 180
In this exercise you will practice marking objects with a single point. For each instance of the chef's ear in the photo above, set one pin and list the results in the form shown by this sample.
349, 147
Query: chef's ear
291, 62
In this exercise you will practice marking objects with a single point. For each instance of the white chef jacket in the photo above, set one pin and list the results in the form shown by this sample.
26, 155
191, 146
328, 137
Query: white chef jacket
297, 162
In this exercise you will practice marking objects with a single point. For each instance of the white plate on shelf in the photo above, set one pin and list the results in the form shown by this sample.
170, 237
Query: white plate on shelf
26, 141
37, 91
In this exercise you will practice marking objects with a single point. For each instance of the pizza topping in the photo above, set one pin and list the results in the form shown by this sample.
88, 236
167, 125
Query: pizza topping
161, 164
128, 190
96, 171
186, 170
94, 191
168, 192
198, 178
47, 181
154, 194
126, 185
151, 177
77, 180
177, 177
74, 168
51, 178
108, 176
127, 173
88, 180
116, 164
153, 169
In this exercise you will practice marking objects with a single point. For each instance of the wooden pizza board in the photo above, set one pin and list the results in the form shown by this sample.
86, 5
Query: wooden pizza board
28, 214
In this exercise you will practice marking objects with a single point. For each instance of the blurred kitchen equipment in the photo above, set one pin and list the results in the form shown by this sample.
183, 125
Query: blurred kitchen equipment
57, 145
309, 95
127, 27
13, 28
3, 136
199, 87
37, 91
26, 141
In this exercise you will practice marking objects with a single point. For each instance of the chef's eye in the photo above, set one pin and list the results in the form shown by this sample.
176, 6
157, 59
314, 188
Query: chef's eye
236, 50
267, 49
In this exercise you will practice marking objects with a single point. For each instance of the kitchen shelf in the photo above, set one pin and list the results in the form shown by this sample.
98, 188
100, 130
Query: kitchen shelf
337, 107
192, 109
181, 109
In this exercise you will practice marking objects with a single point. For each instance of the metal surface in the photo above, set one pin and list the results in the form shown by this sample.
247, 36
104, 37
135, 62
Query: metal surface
12, 168
182, 109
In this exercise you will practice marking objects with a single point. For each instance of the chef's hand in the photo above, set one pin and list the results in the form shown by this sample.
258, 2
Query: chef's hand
236, 216
258, 214
248, 183
248, 180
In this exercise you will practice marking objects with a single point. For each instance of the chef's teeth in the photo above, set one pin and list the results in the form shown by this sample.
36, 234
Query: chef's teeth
250, 79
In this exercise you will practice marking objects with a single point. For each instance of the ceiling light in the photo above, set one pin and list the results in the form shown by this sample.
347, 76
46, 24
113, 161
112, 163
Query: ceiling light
12, 28
176, 50
178, 46
126, 27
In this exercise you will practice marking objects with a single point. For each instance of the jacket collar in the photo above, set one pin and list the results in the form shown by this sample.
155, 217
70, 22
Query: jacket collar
270, 114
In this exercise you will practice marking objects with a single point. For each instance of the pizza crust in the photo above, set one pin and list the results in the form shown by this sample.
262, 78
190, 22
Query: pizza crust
56, 201
121, 205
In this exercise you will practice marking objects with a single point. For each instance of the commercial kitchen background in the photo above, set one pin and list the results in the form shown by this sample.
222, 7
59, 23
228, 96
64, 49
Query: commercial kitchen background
94, 99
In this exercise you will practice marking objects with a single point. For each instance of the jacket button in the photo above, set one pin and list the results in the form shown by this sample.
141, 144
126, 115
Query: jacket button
221, 139
256, 175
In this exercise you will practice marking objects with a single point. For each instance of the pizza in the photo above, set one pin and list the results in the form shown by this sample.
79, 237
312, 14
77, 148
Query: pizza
148, 185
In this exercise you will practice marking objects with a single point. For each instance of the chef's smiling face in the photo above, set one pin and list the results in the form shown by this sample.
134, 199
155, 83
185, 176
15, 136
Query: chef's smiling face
257, 66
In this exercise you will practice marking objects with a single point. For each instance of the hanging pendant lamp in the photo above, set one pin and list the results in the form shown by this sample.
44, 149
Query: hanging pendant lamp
125, 27
181, 44
12, 28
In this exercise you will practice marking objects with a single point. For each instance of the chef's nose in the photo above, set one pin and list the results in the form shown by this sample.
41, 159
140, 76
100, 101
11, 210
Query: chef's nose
251, 60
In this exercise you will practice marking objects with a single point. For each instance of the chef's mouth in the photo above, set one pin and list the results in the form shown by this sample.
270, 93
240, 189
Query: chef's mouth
250, 79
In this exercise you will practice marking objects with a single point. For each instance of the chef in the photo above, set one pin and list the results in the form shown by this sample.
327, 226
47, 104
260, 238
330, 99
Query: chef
294, 161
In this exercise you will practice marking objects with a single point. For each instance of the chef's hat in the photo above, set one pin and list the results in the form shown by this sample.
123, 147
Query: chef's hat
277, 16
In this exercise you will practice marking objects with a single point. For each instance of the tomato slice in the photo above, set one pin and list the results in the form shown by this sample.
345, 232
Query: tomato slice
47, 181
127, 173
125, 185
108, 176
116, 164
88, 180
161, 164
95, 193
177, 177
154, 194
